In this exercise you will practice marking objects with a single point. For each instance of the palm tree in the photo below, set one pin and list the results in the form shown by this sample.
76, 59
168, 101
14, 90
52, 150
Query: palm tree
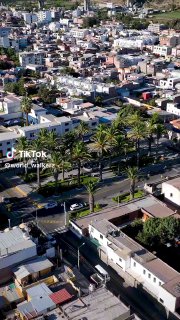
137, 133
55, 163
82, 129
132, 173
37, 146
79, 154
26, 105
101, 145
111, 134
42, 135
51, 142
91, 187
150, 128
150, 131
134, 119
22, 146
120, 147
68, 141
159, 130
64, 160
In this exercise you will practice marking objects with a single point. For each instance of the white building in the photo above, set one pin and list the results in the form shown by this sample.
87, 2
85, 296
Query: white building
15, 247
29, 17
169, 83
129, 258
136, 41
10, 107
171, 190
44, 16
162, 51
79, 33
35, 57
173, 108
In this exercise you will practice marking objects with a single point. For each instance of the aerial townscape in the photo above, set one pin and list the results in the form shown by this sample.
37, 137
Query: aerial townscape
90, 160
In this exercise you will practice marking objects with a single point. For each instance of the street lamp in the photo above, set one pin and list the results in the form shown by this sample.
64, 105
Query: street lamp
79, 254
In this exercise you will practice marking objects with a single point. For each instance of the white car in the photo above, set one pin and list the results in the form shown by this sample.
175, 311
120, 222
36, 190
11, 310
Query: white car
76, 206
51, 205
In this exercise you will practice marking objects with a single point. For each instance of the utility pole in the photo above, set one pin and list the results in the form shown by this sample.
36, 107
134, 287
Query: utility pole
65, 215
79, 254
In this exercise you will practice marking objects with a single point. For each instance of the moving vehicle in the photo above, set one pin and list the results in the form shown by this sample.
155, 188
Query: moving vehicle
51, 204
76, 206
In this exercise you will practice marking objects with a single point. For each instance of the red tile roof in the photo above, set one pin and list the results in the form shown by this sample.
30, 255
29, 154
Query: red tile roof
60, 296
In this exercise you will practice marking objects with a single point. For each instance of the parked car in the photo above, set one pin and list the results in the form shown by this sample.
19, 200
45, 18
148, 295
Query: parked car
51, 204
76, 206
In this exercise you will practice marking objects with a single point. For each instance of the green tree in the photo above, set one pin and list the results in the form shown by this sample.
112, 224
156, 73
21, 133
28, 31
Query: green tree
81, 130
132, 173
89, 22
91, 187
101, 146
159, 230
159, 130
80, 153
111, 134
26, 105
22, 146
138, 132
55, 164
37, 146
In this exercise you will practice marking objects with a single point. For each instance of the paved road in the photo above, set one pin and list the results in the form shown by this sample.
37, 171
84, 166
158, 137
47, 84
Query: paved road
112, 186
145, 308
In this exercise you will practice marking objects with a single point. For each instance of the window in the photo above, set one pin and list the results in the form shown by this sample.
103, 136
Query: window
8, 142
144, 271
66, 130
171, 194
161, 300
120, 259
8, 149
66, 123
134, 264
149, 275
159, 283
101, 236
92, 229
31, 135
0, 144
54, 129
154, 279
94, 123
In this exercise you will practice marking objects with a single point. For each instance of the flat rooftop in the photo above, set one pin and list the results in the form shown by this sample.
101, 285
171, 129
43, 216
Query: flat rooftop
101, 305
174, 182
173, 286
149, 204
14, 240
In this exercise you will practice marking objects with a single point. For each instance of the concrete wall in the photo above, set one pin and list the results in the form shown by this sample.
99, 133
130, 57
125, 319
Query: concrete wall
171, 193
167, 299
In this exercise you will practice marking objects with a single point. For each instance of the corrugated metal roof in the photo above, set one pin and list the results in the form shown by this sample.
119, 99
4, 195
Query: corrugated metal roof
13, 241
36, 265
39, 291
60, 296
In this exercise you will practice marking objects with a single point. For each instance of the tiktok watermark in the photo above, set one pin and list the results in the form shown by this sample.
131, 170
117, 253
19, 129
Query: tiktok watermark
27, 159
32, 154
